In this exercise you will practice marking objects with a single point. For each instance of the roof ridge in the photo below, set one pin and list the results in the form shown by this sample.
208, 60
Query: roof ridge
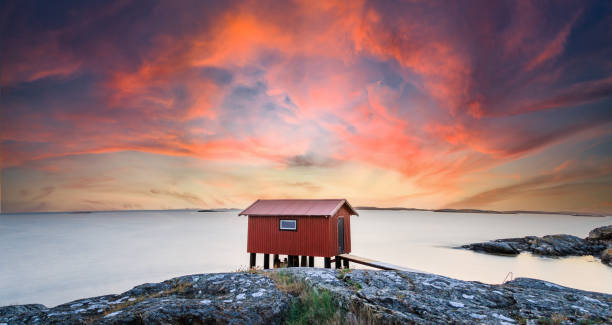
296, 207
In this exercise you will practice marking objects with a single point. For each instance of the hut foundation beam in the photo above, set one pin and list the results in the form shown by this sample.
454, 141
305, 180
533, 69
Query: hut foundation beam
266, 261
338, 262
276, 261
303, 261
346, 263
327, 261
310, 261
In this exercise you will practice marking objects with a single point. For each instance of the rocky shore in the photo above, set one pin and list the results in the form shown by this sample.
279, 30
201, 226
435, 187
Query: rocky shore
309, 295
598, 244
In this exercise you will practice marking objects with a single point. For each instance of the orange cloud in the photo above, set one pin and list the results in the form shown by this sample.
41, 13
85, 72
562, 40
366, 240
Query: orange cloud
407, 88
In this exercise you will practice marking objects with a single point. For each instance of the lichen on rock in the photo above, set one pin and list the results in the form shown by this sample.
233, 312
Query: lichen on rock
358, 296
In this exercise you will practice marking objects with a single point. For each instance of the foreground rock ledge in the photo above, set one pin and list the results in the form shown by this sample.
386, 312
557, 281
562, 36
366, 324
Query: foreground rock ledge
361, 295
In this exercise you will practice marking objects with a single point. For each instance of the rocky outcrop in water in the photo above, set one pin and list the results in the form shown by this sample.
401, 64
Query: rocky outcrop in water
597, 244
357, 296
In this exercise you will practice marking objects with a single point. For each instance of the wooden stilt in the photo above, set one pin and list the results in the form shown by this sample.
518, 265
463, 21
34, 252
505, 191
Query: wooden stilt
266, 261
253, 257
311, 261
276, 261
327, 262
303, 261
338, 262
292, 261
346, 263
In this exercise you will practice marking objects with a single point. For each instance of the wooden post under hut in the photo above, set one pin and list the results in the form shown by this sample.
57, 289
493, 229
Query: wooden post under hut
252, 262
327, 262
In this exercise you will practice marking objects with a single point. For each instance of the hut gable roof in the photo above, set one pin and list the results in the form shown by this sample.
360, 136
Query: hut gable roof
321, 207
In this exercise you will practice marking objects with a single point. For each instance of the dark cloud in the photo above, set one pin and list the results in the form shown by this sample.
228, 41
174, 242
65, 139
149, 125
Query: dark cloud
310, 160
218, 75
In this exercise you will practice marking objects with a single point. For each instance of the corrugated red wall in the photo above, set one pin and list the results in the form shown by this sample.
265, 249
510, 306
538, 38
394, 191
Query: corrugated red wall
315, 236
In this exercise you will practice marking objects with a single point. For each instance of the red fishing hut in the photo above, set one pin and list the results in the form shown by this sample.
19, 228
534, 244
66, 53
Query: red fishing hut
295, 228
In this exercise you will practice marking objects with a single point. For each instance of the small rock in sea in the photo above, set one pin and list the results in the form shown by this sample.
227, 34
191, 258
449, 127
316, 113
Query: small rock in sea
606, 256
601, 233
494, 247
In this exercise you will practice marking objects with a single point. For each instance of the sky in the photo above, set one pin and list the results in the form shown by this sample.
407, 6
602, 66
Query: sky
119, 105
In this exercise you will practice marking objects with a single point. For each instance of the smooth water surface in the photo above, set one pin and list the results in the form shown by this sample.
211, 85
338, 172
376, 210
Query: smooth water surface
52, 258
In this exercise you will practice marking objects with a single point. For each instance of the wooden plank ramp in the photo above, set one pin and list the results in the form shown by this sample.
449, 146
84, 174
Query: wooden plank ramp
376, 264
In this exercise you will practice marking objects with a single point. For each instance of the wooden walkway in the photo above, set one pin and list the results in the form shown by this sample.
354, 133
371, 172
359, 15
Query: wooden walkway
376, 264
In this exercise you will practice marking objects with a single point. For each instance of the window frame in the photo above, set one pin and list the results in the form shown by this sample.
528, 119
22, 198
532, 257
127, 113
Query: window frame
280, 222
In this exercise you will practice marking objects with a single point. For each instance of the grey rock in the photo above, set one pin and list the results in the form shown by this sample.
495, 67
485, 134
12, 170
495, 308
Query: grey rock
192, 299
363, 296
21, 309
606, 256
395, 297
601, 233
495, 247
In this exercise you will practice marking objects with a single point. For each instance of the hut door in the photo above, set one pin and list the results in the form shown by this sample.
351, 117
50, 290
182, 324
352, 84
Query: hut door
340, 235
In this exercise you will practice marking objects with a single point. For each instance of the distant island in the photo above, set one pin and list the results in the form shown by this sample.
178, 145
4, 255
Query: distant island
391, 208
571, 213
218, 210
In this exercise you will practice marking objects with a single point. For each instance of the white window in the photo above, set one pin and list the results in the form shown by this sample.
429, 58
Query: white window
288, 224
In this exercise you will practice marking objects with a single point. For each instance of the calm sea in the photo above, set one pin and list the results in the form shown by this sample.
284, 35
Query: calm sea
52, 258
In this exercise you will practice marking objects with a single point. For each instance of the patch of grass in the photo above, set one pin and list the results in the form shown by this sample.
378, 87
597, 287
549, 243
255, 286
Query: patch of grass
360, 313
314, 306
356, 285
319, 306
286, 282
310, 305
342, 276
521, 320
554, 319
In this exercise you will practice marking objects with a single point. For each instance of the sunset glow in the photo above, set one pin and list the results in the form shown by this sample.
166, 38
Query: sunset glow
169, 105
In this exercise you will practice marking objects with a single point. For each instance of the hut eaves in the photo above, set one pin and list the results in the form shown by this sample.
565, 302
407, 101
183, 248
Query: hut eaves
291, 207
